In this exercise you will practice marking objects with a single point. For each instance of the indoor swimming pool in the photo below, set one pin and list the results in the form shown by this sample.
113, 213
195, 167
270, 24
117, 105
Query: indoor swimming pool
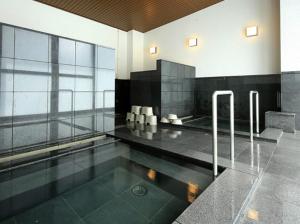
114, 183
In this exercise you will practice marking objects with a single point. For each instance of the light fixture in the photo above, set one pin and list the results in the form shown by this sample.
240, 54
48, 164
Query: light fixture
252, 31
193, 42
153, 50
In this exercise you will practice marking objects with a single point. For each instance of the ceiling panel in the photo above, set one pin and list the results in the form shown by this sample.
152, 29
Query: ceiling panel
140, 15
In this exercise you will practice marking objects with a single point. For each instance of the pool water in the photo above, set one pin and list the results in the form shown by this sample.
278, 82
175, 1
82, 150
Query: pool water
116, 183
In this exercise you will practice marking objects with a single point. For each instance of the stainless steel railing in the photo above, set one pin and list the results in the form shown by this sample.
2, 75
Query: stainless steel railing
215, 127
251, 93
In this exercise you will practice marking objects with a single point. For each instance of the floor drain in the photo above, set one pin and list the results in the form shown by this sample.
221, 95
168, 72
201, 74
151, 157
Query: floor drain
139, 190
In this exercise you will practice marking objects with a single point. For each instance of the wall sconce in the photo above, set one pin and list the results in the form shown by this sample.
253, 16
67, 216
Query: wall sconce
252, 31
193, 42
153, 50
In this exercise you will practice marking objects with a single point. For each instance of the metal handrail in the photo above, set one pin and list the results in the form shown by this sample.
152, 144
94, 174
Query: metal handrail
251, 93
215, 127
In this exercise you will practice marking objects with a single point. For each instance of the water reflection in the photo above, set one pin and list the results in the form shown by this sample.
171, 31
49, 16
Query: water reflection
149, 132
151, 174
192, 192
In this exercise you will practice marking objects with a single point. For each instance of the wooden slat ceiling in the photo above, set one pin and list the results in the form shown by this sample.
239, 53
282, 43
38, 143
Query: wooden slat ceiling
140, 15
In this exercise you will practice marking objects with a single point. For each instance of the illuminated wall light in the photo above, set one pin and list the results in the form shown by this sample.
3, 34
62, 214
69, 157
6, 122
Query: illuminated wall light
252, 31
193, 42
153, 50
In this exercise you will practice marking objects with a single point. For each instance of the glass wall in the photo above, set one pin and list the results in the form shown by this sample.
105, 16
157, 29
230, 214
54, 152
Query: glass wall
52, 88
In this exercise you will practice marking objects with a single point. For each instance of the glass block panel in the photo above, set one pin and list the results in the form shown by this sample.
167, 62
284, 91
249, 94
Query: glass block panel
29, 82
105, 80
67, 83
30, 103
30, 134
106, 58
6, 81
83, 84
85, 54
66, 69
31, 45
6, 103
109, 100
109, 122
84, 125
65, 101
66, 51
86, 71
7, 63
83, 101
7, 44
99, 100
35, 66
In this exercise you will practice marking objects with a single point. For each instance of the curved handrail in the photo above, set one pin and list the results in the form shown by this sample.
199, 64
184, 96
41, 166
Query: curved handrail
256, 93
215, 127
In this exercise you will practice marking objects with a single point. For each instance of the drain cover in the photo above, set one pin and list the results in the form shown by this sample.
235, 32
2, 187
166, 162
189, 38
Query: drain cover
139, 190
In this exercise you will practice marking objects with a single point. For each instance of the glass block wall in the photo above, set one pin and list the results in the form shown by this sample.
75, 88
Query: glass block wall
52, 88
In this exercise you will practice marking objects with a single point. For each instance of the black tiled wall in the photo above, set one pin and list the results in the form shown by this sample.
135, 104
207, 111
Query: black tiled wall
145, 88
169, 89
177, 88
122, 96
290, 94
268, 87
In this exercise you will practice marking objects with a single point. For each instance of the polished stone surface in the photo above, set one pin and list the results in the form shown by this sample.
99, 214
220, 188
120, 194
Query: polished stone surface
222, 201
198, 145
272, 133
277, 198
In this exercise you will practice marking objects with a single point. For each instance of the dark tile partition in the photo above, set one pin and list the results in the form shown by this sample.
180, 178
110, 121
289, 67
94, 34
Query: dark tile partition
169, 89
290, 94
122, 96
268, 87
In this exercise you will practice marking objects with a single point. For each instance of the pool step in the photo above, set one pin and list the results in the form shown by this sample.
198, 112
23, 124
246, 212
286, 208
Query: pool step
272, 133
281, 120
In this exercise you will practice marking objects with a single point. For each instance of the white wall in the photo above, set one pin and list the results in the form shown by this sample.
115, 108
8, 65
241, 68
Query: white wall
135, 51
224, 50
290, 35
36, 16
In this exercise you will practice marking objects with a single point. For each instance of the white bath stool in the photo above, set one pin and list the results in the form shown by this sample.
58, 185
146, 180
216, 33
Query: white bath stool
140, 119
148, 111
136, 110
130, 117
151, 120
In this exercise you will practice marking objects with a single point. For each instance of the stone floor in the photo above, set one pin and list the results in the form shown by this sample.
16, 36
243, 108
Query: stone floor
277, 198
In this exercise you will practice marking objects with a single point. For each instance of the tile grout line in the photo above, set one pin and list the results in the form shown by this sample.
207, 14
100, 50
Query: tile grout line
165, 205
73, 210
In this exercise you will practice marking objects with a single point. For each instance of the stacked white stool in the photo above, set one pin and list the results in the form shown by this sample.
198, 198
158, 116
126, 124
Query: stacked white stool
130, 117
